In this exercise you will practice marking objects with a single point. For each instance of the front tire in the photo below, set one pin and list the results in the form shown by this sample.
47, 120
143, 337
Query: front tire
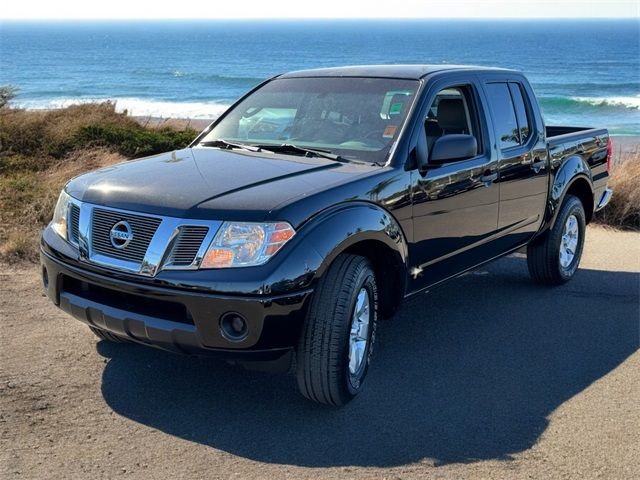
338, 334
555, 259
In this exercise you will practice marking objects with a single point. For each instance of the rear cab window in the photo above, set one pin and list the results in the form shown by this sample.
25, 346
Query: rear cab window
521, 112
510, 117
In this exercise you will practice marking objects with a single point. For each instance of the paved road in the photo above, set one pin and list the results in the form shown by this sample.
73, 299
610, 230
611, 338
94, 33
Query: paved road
489, 376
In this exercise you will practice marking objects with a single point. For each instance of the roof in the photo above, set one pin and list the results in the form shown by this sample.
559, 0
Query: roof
413, 72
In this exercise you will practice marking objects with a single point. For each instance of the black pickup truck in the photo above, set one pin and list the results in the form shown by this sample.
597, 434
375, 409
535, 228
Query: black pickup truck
311, 208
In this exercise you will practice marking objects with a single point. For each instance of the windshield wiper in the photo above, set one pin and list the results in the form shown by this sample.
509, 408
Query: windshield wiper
282, 148
307, 152
229, 145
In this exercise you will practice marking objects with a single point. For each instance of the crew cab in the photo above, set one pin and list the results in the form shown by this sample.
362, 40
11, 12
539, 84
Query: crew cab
313, 206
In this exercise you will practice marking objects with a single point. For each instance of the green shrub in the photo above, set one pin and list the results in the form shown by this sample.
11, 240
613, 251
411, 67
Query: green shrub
133, 142
56, 133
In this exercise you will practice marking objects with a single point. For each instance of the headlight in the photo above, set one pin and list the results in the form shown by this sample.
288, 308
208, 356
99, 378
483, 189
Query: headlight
59, 221
246, 244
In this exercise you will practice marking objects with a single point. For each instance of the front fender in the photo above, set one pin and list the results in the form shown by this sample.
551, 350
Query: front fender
346, 225
331, 232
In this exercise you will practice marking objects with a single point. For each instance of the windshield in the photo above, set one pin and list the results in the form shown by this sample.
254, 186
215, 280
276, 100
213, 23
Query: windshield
356, 118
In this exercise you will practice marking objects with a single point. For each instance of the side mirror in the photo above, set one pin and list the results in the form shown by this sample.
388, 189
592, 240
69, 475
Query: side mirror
454, 147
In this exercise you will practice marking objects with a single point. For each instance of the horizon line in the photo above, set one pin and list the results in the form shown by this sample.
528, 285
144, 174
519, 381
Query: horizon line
276, 19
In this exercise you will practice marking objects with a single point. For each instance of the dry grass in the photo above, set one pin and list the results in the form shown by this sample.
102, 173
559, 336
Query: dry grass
27, 199
623, 210
40, 151
19, 245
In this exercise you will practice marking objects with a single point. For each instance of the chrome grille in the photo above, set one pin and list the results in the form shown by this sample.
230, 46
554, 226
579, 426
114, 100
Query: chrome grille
142, 227
186, 245
74, 222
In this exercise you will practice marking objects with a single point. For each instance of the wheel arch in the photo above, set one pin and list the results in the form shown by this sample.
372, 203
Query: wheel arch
389, 270
581, 188
365, 229
572, 178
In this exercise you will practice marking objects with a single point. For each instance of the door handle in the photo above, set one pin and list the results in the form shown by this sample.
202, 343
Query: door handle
488, 178
538, 165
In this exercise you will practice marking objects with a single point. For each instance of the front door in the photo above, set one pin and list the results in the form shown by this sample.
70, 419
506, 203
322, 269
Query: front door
455, 205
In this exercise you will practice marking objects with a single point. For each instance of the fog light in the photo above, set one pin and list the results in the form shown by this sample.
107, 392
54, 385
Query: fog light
233, 326
45, 278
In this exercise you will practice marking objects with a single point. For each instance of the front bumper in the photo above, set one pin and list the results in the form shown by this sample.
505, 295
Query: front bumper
179, 320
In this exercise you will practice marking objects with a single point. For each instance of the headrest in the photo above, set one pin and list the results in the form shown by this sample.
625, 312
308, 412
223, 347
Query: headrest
452, 115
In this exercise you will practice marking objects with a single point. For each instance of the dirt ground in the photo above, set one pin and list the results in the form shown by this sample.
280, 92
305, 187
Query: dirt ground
489, 376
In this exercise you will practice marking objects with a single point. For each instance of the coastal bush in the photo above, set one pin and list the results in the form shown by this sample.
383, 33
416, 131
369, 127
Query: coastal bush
133, 142
7, 93
623, 210
55, 133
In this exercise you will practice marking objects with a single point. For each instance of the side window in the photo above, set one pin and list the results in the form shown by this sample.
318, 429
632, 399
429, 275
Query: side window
451, 112
504, 114
521, 112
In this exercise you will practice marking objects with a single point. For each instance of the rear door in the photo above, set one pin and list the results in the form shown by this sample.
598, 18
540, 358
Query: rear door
520, 142
455, 205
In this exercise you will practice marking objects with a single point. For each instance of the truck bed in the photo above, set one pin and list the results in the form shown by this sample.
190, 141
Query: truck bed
589, 144
561, 134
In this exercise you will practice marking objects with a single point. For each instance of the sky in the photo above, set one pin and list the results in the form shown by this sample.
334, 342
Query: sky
270, 9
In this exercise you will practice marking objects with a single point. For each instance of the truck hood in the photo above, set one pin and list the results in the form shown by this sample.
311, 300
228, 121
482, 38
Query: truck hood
203, 182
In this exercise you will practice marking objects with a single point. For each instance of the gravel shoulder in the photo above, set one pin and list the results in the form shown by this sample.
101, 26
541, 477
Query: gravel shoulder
489, 376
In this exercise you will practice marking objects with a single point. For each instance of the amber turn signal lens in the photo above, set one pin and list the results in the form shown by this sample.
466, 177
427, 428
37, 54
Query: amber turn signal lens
217, 258
281, 236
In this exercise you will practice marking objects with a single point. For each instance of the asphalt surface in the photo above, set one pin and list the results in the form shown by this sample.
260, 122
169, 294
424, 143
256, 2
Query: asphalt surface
489, 376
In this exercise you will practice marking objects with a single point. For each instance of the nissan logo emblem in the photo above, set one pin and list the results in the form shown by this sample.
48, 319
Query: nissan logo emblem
121, 234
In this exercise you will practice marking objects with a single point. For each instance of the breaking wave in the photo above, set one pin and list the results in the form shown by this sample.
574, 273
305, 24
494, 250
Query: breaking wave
137, 107
631, 102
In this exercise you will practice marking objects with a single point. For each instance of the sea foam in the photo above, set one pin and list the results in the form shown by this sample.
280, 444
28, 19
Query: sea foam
137, 107
628, 102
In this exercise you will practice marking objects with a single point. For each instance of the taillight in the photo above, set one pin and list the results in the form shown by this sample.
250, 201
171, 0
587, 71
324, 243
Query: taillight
609, 153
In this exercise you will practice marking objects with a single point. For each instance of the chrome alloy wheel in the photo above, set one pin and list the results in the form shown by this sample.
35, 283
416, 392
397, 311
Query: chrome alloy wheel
359, 334
569, 241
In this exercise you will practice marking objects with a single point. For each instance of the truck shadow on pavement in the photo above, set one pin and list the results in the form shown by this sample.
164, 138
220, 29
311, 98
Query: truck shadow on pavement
469, 372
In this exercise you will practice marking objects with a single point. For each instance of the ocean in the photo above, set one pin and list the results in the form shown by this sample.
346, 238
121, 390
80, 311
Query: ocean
585, 72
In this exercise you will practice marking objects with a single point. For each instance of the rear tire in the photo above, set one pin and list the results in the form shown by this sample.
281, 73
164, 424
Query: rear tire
336, 342
108, 336
554, 259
